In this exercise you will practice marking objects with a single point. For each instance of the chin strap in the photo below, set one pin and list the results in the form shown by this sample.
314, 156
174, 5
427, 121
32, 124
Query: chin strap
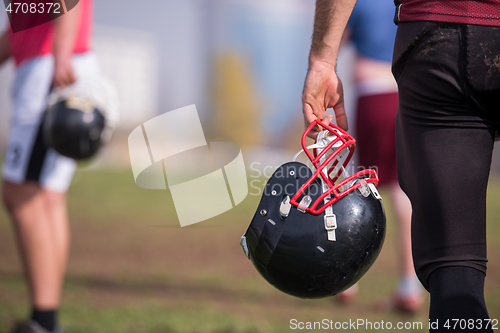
330, 218
321, 142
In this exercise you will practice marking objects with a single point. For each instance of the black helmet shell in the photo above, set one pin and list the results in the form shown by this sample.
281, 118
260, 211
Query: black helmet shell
294, 254
74, 129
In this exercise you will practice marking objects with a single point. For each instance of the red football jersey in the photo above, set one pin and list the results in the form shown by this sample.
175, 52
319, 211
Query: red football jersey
481, 12
37, 41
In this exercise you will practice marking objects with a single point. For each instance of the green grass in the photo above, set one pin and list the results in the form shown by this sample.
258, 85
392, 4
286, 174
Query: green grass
133, 269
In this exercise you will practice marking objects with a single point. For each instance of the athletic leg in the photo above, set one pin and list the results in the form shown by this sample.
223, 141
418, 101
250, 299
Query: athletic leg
402, 208
41, 227
463, 288
56, 209
376, 143
444, 145
34, 182
409, 293
34, 232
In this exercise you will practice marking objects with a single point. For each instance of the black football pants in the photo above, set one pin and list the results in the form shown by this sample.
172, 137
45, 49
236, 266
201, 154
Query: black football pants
449, 106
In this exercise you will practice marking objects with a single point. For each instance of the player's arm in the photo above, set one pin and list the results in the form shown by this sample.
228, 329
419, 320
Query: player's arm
4, 47
66, 28
323, 88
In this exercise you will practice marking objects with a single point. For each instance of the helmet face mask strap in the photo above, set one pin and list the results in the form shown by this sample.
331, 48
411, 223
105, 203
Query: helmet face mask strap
332, 145
330, 217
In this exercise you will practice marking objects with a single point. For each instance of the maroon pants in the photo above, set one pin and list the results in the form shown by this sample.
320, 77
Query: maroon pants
375, 135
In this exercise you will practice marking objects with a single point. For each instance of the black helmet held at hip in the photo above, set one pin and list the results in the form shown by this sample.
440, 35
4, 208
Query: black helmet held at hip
82, 117
73, 127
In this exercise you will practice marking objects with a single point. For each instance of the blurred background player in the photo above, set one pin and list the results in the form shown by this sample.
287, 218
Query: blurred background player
35, 179
372, 32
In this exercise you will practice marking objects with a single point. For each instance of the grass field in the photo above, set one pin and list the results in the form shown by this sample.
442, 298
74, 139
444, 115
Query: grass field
133, 269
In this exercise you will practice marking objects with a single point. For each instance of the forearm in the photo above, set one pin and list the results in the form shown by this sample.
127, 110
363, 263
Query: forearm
4, 47
329, 25
66, 28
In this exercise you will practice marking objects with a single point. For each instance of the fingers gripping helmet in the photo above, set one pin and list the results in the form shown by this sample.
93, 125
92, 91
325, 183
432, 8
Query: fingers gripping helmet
317, 231
81, 118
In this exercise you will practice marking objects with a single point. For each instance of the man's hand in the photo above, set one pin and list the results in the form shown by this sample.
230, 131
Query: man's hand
322, 90
66, 29
63, 73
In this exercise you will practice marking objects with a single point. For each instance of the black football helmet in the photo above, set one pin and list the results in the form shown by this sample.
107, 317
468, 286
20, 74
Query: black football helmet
317, 232
80, 118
